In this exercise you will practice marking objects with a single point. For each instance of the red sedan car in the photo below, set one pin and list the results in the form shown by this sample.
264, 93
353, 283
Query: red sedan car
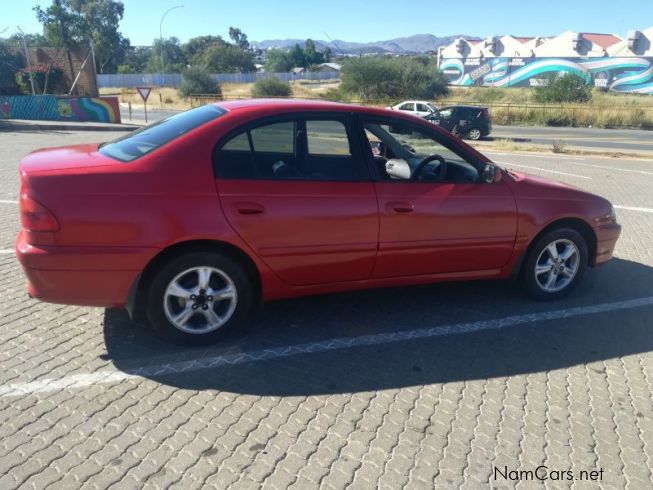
191, 221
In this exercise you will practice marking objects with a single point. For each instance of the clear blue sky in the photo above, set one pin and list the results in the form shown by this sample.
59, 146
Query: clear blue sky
356, 20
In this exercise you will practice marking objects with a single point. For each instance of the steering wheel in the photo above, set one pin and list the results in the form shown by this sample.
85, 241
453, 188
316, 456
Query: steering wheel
421, 165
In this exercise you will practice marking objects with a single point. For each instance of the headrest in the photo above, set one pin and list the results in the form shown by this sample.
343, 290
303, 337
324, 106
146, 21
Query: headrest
398, 168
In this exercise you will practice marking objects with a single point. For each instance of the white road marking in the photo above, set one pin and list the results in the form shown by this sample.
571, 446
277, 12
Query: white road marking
630, 170
6, 201
83, 380
547, 170
7, 251
634, 208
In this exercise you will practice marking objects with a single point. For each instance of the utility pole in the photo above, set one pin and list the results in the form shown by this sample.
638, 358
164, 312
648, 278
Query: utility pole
163, 67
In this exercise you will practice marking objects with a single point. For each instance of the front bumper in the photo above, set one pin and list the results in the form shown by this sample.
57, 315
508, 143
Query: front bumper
89, 276
606, 239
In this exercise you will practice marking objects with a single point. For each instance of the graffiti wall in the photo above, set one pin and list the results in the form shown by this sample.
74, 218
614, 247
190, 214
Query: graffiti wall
57, 108
633, 75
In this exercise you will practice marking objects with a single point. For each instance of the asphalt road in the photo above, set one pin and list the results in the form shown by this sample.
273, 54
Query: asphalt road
415, 387
615, 140
625, 140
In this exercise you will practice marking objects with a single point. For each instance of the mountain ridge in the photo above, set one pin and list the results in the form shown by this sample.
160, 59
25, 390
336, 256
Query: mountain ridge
417, 43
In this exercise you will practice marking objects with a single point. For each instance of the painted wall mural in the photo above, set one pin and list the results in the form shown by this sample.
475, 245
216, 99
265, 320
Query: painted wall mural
632, 75
56, 108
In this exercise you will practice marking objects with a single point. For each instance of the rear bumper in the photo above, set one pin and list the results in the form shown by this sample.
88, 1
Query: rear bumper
89, 276
606, 239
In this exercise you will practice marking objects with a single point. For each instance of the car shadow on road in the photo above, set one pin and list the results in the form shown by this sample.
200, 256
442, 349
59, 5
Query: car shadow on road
528, 347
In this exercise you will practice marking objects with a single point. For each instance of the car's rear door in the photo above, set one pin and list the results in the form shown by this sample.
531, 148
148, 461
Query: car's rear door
297, 190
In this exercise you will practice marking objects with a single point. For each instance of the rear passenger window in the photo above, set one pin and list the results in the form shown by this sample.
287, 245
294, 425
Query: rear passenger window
238, 143
274, 138
311, 150
327, 138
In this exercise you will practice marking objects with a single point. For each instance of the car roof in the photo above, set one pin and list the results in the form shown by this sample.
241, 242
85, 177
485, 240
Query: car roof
414, 101
299, 105
465, 107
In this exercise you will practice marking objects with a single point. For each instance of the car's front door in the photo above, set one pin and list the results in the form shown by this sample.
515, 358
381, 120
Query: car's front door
445, 118
298, 192
443, 219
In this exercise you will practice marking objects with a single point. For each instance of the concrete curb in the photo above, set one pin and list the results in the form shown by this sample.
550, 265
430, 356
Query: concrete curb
62, 126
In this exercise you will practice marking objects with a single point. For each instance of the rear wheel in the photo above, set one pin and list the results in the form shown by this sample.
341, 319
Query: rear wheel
198, 298
554, 264
474, 134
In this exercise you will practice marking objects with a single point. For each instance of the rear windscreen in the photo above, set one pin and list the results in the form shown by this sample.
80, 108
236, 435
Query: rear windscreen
144, 140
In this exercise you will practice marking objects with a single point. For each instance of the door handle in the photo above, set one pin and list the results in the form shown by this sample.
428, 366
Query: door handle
400, 207
248, 208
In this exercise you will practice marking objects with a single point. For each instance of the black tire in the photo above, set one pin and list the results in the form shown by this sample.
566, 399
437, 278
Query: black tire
156, 312
537, 250
474, 134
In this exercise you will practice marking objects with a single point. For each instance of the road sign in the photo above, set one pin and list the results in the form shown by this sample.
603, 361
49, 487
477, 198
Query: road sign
145, 93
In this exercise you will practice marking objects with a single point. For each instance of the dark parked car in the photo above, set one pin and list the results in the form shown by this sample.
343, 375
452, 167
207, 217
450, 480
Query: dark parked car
465, 121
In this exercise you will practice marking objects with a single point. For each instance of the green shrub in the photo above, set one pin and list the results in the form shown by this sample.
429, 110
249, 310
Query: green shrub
392, 78
271, 87
198, 81
567, 88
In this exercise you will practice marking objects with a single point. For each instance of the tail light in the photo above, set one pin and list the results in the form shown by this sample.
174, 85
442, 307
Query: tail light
36, 217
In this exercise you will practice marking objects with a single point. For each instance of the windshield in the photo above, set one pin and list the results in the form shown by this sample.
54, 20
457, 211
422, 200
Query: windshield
144, 140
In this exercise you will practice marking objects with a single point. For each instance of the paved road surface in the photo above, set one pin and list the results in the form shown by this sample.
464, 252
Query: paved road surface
419, 387
630, 140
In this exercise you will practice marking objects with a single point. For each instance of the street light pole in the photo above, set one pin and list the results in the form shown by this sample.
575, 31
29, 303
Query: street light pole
163, 68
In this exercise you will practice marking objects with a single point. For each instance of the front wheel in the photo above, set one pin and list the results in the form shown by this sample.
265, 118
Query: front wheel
555, 264
197, 298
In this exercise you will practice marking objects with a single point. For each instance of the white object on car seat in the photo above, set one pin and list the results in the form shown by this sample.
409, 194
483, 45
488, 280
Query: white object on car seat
397, 168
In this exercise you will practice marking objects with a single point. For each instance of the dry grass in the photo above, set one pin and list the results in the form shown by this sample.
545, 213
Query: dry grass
169, 98
514, 106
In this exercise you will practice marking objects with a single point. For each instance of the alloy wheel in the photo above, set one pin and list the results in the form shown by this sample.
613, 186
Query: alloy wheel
557, 265
200, 300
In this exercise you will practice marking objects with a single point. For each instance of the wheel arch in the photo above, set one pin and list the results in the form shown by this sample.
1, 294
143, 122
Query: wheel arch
576, 224
136, 297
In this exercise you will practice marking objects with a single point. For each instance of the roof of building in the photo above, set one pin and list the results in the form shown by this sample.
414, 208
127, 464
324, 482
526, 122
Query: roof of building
603, 40
523, 39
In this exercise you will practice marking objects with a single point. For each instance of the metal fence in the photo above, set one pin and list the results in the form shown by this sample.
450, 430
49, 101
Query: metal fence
130, 80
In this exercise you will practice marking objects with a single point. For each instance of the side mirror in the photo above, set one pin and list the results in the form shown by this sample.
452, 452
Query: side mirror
491, 174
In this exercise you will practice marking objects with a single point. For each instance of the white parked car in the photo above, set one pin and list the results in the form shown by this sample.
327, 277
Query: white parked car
418, 107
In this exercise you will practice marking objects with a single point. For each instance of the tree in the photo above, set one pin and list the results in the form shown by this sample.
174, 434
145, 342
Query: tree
136, 59
311, 55
32, 40
195, 47
102, 18
223, 57
63, 28
277, 61
565, 88
10, 63
297, 57
173, 57
238, 37
327, 54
